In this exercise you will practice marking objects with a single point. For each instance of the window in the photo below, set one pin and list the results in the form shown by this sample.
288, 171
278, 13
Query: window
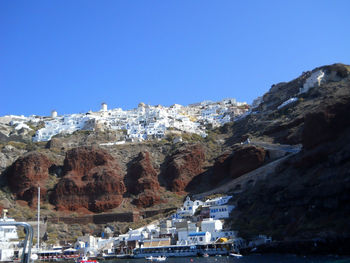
201, 239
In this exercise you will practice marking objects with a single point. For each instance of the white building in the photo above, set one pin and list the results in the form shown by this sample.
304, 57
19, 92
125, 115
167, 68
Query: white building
53, 114
218, 200
183, 229
188, 209
211, 225
103, 106
314, 80
221, 211
199, 238
86, 241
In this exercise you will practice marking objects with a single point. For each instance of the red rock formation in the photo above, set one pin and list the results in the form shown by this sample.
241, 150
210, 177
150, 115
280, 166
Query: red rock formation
243, 160
183, 166
246, 159
221, 168
147, 198
141, 175
92, 180
26, 174
142, 180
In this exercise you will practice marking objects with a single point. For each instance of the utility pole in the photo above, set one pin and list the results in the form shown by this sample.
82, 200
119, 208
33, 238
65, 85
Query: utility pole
38, 241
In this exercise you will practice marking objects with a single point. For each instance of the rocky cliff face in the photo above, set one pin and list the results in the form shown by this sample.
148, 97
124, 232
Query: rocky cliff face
243, 159
183, 166
26, 174
142, 180
92, 180
307, 196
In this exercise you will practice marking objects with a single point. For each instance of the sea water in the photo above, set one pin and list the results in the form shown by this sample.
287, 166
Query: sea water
246, 259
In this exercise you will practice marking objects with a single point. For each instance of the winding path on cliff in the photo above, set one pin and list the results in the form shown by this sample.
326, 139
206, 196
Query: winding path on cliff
239, 184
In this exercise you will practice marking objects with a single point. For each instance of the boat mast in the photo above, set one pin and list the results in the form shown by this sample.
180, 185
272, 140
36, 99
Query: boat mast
38, 244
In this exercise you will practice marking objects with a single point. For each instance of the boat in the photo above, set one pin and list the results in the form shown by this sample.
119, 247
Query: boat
8, 231
181, 250
85, 259
159, 258
236, 255
205, 255
7, 235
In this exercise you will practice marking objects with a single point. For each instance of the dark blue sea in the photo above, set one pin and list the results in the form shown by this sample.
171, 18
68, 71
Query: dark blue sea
247, 259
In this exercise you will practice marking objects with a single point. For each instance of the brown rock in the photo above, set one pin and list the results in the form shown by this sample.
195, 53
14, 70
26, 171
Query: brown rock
246, 159
147, 198
326, 124
243, 160
221, 168
92, 180
26, 174
183, 166
141, 175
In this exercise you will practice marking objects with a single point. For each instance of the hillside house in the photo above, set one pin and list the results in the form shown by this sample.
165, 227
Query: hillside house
221, 211
218, 200
188, 209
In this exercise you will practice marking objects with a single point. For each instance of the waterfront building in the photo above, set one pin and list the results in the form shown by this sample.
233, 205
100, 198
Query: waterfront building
199, 238
211, 225
183, 228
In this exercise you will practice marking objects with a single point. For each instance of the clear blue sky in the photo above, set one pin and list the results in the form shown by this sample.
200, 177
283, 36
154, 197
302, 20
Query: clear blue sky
73, 55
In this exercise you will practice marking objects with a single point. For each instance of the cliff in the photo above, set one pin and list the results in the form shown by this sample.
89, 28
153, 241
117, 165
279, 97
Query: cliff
286, 163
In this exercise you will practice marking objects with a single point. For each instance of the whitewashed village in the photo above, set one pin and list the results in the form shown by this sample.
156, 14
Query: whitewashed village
196, 229
147, 122
142, 123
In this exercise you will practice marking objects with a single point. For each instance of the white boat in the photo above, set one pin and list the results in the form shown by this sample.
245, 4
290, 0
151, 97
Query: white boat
159, 258
236, 255
181, 251
7, 235
8, 232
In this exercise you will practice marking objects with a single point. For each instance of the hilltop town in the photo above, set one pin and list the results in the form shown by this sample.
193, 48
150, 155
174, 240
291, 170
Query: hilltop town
142, 123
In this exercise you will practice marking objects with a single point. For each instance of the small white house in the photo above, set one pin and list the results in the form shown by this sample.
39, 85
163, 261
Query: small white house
188, 209
85, 242
314, 80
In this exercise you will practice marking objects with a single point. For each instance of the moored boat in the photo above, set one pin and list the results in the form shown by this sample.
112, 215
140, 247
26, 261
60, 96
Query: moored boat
236, 255
85, 259
159, 258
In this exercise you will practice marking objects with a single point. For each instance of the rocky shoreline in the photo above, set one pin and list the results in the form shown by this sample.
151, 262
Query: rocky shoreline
332, 246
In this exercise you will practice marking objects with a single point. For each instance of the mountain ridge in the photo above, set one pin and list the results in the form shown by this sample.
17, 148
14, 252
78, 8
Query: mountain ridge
309, 113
